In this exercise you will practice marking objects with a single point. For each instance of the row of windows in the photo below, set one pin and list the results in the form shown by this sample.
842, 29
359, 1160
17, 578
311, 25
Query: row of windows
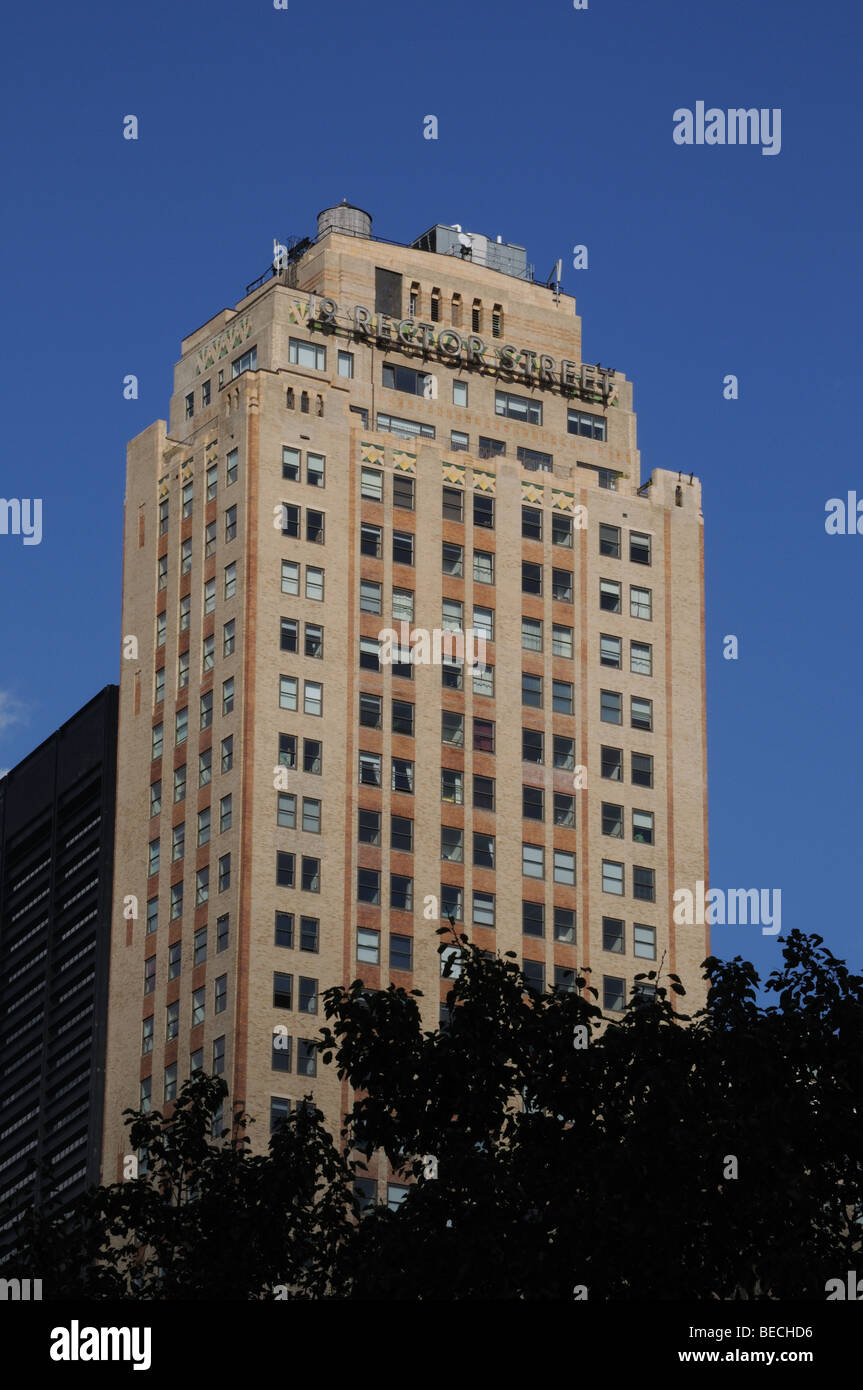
199, 943
181, 718
202, 881
306, 992
208, 660
292, 466
220, 985
282, 1054
232, 472
204, 819
205, 774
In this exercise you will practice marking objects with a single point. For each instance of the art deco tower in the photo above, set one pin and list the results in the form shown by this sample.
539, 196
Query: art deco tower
379, 434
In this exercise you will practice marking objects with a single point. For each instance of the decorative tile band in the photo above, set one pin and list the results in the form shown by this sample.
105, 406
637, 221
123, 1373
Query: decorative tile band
484, 482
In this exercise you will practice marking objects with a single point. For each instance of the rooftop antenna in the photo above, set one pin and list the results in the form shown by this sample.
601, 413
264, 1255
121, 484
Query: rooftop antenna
553, 280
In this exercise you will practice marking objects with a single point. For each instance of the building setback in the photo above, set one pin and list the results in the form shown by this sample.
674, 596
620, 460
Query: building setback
380, 435
56, 859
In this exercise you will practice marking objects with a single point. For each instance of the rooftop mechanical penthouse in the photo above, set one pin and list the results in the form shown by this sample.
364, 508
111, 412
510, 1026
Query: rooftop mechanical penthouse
380, 438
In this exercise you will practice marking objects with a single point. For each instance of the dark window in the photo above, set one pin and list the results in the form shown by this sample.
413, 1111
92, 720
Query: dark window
531, 746
533, 918
534, 975
402, 833
613, 938
483, 511
284, 935
533, 803
483, 793
388, 292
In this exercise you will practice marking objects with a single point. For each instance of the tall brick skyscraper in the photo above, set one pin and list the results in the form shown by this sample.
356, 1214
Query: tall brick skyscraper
380, 434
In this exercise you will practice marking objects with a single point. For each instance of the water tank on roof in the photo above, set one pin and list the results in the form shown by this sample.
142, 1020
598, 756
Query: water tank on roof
345, 218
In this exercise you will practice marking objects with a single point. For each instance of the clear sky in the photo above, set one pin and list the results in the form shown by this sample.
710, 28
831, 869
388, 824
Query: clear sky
555, 129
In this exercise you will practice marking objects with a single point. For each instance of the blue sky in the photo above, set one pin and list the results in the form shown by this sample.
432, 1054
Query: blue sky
555, 129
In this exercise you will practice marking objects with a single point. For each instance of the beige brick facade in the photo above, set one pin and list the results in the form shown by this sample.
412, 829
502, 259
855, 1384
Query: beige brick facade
306, 405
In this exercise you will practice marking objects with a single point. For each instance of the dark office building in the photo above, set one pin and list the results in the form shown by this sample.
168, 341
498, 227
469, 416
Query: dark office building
56, 861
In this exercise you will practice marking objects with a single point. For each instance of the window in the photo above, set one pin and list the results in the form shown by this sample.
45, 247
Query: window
224, 872
609, 541
452, 844
368, 946
533, 861
641, 713
537, 462
451, 786
483, 511
483, 909
564, 752
483, 680
147, 1036
283, 991
613, 994
199, 1002
175, 959
642, 827
371, 707
222, 932
406, 379
314, 526
639, 548
230, 523
291, 464
209, 540
284, 930
159, 687
301, 354
290, 520
642, 770
202, 886
402, 833
451, 901
518, 408
609, 651
280, 1109
459, 392
152, 915
613, 935
531, 690
171, 1081
641, 658
228, 695
531, 746
311, 815
406, 429
288, 692
162, 573
589, 426
247, 363
287, 750
231, 579
564, 925
564, 809
483, 622
644, 941
149, 974
612, 764
531, 634
564, 978
561, 585
611, 707
532, 803
208, 659
452, 728
290, 577
314, 583
203, 826
310, 881
163, 516
181, 725
452, 504
403, 718
281, 1053
346, 364
368, 885
370, 541
403, 492
368, 827
533, 918
309, 933
483, 850
534, 975
609, 595
225, 813
452, 615
370, 769
612, 820
564, 866
606, 477
401, 893
459, 441
372, 484
562, 697
531, 524
370, 596
644, 883
176, 901
370, 654
483, 735
612, 877
186, 556
209, 595
178, 840
403, 548
401, 952
483, 793
640, 602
